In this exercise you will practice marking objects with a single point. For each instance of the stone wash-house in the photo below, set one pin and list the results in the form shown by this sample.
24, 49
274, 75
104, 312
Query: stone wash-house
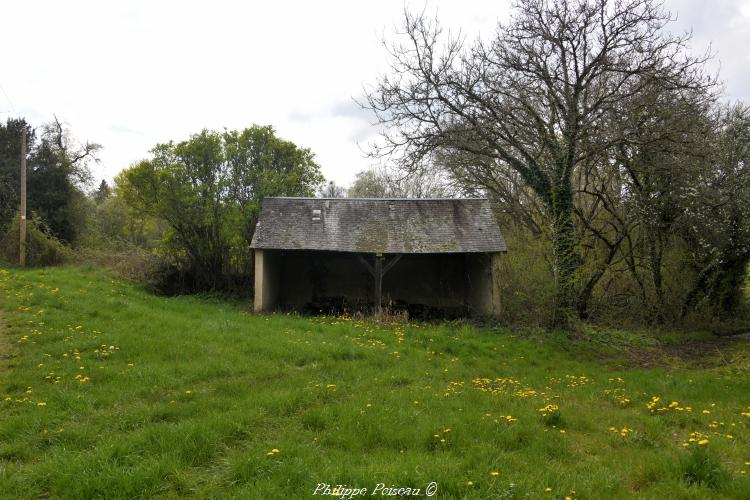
428, 256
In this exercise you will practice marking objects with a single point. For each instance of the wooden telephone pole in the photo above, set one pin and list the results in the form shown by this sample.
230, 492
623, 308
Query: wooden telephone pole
22, 222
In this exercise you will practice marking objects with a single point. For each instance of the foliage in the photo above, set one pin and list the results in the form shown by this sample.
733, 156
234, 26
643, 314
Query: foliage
526, 281
113, 392
42, 247
332, 190
539, 106
717, 221
125, 260
57, 173
382, 183
102, 193
208, 189
10, 157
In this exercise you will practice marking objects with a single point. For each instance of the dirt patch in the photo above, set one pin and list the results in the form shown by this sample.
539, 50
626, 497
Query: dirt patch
701, 354
6, 347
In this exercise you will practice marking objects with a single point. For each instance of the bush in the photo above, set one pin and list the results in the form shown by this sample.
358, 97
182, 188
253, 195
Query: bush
527, 285
127, 261
42, 248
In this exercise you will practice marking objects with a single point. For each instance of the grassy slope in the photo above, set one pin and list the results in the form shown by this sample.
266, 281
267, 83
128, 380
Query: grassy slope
193, 395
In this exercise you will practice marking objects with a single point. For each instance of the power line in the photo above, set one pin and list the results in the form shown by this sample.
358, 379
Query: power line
8, 98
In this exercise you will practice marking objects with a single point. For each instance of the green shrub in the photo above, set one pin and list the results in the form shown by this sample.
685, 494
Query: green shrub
42, 248
127, 261
526, 282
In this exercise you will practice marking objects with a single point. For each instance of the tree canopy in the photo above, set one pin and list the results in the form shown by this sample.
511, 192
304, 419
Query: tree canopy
543, 115
209, 190
57, 175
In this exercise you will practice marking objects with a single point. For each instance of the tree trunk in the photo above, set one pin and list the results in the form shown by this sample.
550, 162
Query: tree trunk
566, 261
656, 250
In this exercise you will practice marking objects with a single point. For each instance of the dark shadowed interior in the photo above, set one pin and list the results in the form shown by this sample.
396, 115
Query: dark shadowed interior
425, 285
430, 257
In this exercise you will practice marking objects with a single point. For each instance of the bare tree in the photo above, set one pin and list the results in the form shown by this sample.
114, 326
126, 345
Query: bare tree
422, 183
533, 100
77, 156
332, 190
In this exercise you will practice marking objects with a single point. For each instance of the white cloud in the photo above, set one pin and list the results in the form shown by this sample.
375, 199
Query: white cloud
131, 74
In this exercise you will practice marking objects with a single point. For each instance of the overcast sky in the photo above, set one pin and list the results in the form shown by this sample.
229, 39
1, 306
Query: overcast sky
131, 74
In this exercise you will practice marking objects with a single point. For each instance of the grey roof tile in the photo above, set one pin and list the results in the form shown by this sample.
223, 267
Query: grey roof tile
375, 225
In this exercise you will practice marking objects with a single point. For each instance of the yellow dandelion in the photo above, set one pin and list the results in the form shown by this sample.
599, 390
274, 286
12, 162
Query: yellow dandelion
494, 473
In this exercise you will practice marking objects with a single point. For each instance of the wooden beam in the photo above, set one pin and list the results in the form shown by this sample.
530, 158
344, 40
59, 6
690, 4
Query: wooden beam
377, 272
378, 282
392, 263
367, 265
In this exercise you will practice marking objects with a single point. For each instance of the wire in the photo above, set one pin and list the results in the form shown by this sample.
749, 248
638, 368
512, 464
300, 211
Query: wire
8, 98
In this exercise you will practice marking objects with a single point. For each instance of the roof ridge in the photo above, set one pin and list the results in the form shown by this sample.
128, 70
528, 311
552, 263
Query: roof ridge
372, 199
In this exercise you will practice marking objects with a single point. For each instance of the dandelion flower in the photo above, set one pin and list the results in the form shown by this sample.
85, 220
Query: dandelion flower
494, 473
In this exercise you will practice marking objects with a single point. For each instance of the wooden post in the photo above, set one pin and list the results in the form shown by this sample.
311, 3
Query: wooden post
22, 222
378, 282
377, 273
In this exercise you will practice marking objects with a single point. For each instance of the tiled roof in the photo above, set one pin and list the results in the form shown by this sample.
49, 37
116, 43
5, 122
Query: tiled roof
375, 225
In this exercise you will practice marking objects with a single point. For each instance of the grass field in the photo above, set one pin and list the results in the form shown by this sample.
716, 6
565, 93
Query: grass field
110, 392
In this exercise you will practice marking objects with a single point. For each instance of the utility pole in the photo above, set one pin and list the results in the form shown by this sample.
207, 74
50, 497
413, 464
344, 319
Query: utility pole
22, 222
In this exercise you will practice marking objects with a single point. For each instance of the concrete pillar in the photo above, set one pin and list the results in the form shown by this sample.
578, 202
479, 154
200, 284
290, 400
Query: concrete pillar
483, 293
496, 276
266, 280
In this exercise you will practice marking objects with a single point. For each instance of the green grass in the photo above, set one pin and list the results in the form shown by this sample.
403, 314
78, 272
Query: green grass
107, 391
